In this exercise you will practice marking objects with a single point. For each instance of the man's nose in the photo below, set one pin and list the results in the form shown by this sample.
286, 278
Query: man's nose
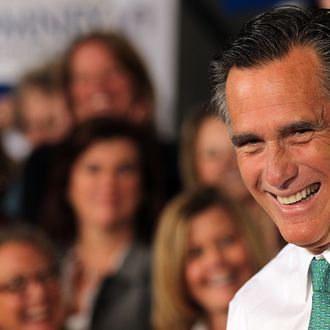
280, 168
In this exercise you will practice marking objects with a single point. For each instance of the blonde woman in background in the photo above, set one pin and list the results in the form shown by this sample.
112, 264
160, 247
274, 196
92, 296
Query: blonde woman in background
205, 250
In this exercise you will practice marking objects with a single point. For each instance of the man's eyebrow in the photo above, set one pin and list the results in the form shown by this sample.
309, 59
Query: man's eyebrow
245, 138
296, 127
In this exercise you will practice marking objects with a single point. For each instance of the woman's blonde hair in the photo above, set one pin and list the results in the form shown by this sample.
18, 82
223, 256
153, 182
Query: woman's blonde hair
173, 309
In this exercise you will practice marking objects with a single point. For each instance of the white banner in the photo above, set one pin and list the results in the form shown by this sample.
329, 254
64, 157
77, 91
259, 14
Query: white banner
32, 32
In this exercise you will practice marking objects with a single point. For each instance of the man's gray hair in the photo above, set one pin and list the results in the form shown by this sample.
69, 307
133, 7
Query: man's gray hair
268, 37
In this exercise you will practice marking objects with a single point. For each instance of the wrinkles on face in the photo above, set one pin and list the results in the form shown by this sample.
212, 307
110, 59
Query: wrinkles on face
281, 132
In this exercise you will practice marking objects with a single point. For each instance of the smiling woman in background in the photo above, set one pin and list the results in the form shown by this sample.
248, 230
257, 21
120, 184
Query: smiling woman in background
100, 202
204, 252
103, 75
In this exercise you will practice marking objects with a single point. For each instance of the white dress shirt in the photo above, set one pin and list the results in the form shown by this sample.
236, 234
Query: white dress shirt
279, 297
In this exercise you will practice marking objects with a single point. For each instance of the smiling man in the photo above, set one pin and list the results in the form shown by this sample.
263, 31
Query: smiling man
272, 89
29, 281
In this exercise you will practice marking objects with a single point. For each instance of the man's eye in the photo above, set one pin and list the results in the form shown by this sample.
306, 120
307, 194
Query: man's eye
251, 148
251, 142
303, 131
247, 144
301, 136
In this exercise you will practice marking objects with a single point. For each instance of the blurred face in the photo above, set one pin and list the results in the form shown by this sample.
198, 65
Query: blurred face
46, 118
36, 116
29, 290
215, 158
323, 3
7, 113
217, 263
281, 129
100, 84
104, 188
61, 118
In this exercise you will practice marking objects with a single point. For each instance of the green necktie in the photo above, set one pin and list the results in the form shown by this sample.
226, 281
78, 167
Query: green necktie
320, 316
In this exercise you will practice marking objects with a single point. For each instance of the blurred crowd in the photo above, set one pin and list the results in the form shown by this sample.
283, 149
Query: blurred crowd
104, 225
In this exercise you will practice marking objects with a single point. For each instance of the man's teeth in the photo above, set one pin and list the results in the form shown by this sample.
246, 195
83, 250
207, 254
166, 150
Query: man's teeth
305, 194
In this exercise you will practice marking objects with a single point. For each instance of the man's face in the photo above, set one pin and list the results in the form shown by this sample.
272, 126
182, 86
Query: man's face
280, 119
29, 289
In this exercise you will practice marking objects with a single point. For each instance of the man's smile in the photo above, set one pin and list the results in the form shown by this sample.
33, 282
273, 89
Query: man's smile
305, 194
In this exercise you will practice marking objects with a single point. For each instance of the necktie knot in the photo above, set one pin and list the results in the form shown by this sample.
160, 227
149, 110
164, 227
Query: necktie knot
320, 270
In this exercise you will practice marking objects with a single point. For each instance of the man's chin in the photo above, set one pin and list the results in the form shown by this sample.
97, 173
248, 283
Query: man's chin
309, 241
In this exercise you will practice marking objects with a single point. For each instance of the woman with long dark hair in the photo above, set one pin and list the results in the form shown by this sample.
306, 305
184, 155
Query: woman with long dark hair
102, 205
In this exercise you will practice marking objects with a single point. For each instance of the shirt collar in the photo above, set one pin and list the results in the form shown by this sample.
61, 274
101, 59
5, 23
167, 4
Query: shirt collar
304, 258
325, 255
